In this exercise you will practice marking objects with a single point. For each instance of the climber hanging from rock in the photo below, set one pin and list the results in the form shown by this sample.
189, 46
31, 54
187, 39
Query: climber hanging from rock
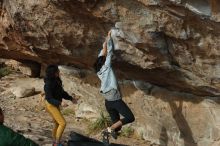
114, 104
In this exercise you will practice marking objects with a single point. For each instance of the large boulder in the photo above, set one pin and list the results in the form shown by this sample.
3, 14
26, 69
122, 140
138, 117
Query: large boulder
169, 43
174, 44
175, 119
163, 117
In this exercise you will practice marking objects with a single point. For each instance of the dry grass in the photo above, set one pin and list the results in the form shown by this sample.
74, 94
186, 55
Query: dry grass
102, 122
127, 131
68, 112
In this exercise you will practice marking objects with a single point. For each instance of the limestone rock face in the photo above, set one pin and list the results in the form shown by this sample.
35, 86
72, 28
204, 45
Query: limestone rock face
169, 119
163, 117
173, 43
49, 31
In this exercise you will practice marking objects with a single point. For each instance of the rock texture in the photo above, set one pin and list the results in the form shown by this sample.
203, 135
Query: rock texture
173, 43
29, 117
29, 68
176, 119
163, 117
22, 92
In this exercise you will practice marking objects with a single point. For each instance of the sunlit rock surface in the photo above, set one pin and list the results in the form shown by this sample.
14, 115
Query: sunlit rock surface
173, 44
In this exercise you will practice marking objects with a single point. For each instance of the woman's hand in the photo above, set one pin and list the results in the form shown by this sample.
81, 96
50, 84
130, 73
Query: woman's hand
74, 101
104, 45
109, 34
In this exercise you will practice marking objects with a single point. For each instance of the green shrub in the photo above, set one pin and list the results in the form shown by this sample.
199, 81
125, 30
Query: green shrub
4, 71
102, 122
68, 112
127, 131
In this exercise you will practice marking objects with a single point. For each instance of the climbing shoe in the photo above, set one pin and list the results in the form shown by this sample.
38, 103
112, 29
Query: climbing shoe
112, 133
105, 137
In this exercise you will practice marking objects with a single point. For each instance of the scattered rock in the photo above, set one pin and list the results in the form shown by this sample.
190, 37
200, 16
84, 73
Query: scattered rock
85, 111
21, 92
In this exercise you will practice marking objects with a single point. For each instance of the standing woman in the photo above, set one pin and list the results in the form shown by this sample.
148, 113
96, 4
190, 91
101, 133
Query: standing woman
54, 93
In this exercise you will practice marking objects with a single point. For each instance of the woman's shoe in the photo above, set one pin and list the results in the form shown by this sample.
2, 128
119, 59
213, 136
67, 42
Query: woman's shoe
105, 137
112, 133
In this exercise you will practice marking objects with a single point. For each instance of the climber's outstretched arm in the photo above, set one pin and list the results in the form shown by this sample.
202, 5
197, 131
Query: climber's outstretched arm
105, 48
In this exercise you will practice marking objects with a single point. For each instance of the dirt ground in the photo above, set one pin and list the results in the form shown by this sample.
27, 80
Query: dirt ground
29, 117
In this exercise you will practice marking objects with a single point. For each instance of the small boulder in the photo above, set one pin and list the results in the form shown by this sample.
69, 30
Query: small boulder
86, 111
21, 92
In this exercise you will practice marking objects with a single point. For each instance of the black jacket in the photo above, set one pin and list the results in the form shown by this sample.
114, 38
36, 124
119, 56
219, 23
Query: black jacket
54, 92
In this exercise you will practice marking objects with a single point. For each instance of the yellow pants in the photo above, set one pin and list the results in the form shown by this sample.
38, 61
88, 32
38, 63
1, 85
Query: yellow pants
59, 121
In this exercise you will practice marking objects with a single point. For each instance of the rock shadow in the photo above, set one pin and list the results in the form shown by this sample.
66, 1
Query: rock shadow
171, 79
184, 128
77, 139
163, 137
